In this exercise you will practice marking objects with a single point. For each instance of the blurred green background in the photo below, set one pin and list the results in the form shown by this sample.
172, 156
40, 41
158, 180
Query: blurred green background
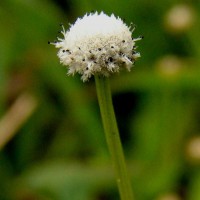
51, 137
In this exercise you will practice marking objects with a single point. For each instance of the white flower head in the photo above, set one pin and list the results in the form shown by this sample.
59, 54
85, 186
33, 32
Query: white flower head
97, 44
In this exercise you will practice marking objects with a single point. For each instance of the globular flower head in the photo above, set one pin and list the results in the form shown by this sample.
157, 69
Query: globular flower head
97, 44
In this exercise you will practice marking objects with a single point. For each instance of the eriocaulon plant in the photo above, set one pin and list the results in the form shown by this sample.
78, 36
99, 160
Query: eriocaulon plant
100, 45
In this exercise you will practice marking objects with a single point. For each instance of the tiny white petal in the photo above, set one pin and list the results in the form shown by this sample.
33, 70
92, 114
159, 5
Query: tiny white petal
97, 44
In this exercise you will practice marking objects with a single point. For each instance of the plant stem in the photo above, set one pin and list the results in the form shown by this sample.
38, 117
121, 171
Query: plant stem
113, 138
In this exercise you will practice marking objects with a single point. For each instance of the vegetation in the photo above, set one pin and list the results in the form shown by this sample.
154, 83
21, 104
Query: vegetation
51, 136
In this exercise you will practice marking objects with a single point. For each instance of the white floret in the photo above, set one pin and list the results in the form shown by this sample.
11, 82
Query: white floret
97, 44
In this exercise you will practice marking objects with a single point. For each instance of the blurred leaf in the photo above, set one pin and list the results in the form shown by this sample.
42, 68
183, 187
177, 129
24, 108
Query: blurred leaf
60, 181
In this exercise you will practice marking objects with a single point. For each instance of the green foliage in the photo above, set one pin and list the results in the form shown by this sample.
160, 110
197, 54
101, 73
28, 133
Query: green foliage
59, 152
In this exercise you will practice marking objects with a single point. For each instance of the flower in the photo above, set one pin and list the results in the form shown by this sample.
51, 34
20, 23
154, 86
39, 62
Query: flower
97, 44
180, 18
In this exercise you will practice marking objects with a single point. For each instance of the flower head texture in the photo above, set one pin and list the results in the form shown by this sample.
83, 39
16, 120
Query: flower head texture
97, 44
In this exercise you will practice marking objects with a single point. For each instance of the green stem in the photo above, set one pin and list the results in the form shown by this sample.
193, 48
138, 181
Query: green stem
113, 138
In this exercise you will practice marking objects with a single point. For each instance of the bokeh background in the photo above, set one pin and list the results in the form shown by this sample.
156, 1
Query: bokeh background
52, 144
